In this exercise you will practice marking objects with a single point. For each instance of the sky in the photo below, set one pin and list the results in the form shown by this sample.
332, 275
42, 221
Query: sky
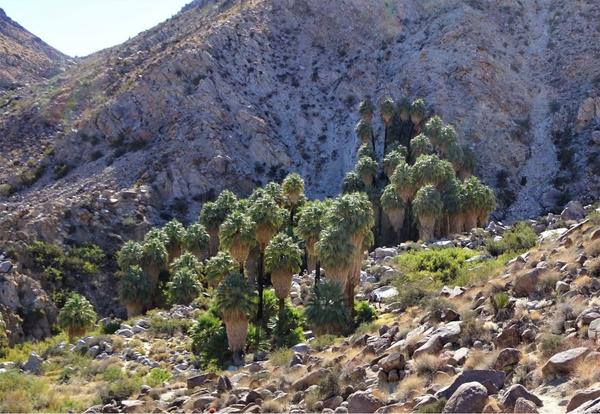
81, 27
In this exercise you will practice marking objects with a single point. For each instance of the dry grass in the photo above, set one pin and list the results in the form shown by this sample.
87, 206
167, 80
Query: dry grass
583, 282
427, 365
479, 359
273, 406
586, 374
410, 387
593, 249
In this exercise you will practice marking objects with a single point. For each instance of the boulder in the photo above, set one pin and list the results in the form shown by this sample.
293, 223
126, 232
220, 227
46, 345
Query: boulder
507, 357
312, 378
525, 406
199, 380
133, 406
301, 348
470, 397
582, 397
508, 338
433, 346
525, 284
383, 292
592, 406
5, 267
516, 391
493, 381
33, 364
363, 402
594, 329
564, 362
202, 402
392, 362
573, 211
382, 252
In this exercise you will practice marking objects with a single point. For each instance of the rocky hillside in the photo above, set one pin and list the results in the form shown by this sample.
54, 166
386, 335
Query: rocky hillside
230, 94
24, 58
518, 335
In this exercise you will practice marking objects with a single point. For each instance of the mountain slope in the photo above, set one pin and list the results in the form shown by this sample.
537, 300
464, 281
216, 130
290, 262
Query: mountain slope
229, 95
24, 58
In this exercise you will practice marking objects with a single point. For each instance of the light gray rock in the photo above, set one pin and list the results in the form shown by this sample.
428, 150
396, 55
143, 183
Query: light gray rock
564, 362
363, 402
33, 364
5, 266
470, 397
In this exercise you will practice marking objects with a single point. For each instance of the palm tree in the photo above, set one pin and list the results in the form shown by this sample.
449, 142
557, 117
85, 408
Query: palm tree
274, 190
455, 155
187, 261
350, 217
76, 316
447, 137
213, 214
237, 236
365, 109
420, 145
269, 218
154, 260
394, 207
364, 132
310, 225
417, 111
325, 311
433, 129
336, 253
479, 202
293, 191
175, 233
403, 180
183, 287
392, 159
404, 109
233, 299
130, 254
430, 169
283, 258
427, 208
196, 240
453, 197
366, 168
365, 150
134, 291
352, 183
386, 110
468, 162
219, 266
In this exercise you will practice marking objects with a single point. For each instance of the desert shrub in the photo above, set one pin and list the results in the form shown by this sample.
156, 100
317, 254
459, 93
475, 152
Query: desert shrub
329, 385
363, 312
168, 326
322, 342
436, 306
433, 407
287, 327
594, 267
593, 249
551, 344
156, 377
272, 406
3, 337
60, 170
409, 293
594, 217
472, 329
6, 190
120, 384
517, 239
434, 267
209, 341
426, 365
281, 357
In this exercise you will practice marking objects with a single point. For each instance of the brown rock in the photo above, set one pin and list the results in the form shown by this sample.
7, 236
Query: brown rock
516, 392
523, 405
564, 362
392, 362
506, 357
470, 397
363, 402
582, 397
526, 283
508, 338
312, 378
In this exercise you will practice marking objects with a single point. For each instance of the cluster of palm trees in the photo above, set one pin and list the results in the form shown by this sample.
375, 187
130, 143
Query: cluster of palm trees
423, 187
240, 246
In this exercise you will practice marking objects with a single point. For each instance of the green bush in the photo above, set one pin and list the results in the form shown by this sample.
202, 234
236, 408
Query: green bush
168, 326
121, 384
156, 377
287, 328
60, 170
434, 267
209, 341
3, 338
363, 312
6, 190
519, 238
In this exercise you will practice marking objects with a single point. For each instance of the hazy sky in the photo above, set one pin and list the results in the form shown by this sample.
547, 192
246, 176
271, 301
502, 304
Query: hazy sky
81, 27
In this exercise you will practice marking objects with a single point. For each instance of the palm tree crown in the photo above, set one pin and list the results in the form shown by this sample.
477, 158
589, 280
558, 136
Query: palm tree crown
218, 266
77, 315
292, 188
130, 254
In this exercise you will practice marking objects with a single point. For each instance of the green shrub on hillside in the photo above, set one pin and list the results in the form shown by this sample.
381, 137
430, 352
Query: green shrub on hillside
363, 312
209, 341
519, 238
434, 267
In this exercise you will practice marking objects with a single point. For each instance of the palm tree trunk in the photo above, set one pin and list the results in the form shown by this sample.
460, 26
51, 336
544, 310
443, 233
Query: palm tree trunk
385, 140
260, 281
350, 298
281, 307
318, 272
373, 140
